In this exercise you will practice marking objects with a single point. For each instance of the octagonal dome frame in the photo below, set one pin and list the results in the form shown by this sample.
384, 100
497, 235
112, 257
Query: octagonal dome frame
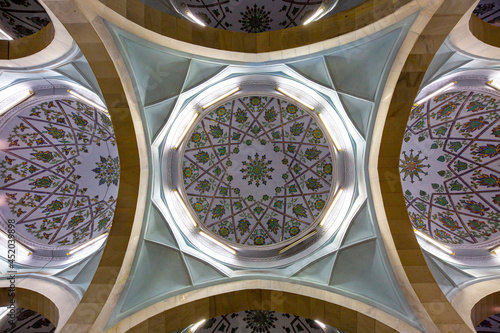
248, 90
44, 90
338, 125
477, 254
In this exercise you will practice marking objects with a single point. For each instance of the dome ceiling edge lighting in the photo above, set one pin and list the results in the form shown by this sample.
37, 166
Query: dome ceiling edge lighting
258, 158
60, 172
337, 124
252, 16
449, 169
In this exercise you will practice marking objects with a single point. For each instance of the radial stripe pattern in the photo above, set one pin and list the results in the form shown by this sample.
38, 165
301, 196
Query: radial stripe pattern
257, 170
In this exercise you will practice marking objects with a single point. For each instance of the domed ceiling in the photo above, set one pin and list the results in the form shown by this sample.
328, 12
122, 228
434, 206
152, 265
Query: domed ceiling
26, 321
257, 170
22, 17
450, 168
59, 172
489, 325
255, 15
489, 11
263, 321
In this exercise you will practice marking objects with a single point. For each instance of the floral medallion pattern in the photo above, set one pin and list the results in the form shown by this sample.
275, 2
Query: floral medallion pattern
449, 167
26, 321
253, 16
257, 170
59, 173
22, 17
489, 11
489, 325
262, 321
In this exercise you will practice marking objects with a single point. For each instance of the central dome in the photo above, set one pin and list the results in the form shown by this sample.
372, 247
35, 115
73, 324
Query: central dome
257, 170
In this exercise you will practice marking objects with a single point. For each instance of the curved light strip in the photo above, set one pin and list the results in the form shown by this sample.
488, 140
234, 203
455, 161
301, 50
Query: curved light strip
195, 326
6, 34
335, 197
323, 326
85, 99
312, 233
225, 247
494, 85
437, 92
78, 248
286, 93
220, 98
23, 248
329, 131
186, 130
315, 15
434, 242
17, 101
194, 18
494, 251
179, 198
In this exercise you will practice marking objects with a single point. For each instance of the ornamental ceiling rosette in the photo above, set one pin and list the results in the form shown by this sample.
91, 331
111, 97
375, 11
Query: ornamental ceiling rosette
449, 167
258, 170
60, 172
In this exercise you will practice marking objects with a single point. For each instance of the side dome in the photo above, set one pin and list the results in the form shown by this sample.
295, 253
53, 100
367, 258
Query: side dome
59, 172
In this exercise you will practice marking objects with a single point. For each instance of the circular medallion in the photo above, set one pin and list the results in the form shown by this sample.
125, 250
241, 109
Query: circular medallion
257, 170
449, 167
60, 172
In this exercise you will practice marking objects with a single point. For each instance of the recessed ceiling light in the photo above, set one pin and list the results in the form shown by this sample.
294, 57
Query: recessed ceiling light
433, 241
186, 130
17, 101
86, 100
437, 92
78, 248
286, 93
315, 15
225, 247
220, 98
194, 18
312, 233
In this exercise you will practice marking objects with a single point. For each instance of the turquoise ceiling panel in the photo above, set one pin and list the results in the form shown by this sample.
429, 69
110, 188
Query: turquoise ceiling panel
155, 261
201, 71
86, 275
320, 271
314, 69
442, 279
71, 272
357, 69
360, 270
442, 55
158, 230
360, 229
157, 115
455, 61
359, 110
454, 274
200, 271
159, 75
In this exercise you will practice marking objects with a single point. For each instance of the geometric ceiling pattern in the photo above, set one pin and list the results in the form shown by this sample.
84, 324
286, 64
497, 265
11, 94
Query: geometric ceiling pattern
489, 325
60, 171
22, 18
488, 11
352, 262
253, 16
449, 167
26, 321
257, 170
262, 321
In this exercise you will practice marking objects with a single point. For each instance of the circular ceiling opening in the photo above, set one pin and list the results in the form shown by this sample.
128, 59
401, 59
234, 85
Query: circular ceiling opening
258, 170
450, 166
22, 18
60, 171
261, 321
